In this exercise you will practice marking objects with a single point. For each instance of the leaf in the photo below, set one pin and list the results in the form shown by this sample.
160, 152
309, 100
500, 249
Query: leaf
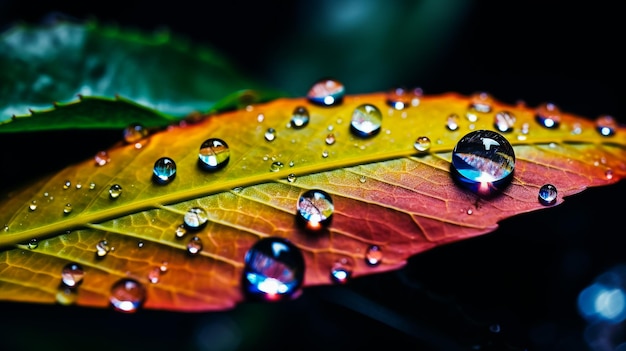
56, 63
384, 192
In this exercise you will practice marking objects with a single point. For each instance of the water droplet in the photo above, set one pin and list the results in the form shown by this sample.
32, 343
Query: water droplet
115, 191
102, 158
366, 121
291, 163
181, 231
102, 248
214, 154
422, 144
330, 139
164, 170
194, 246
291, 178
504, 121
452, 122
548, 115
260, 117
480, 103
72, 275
135, 134
547, 194
341, 271
274, 269
33, 205
325, 153
362, 179
270, 134
606, 125
79, 186
154, 275
92, 186
33, 243
315, 209
67, 209
300, 117
373, 255
163, 266
276, 166
67, 185
326, 92
127, 295
195, 218
417, 95
399, 98
140, 244
608, 174
483, 159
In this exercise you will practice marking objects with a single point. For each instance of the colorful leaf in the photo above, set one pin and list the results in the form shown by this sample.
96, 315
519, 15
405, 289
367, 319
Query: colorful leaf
385, 193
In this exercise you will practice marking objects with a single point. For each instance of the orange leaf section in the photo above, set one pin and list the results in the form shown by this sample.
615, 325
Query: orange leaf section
385, 193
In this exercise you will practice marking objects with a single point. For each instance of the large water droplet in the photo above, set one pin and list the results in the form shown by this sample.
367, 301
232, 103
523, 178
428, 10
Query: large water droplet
483, 160
366, 121
399, 98
127, 295
548, 115
214, 154
606, 125
274, 269
164, 170
135, 134
315, 210
504, 121
115, 191
422, 144
326, 92
341, 271
72, 275
102, 248
195, 218
300, 117
102, 158
373, 255
547, 194
194, 245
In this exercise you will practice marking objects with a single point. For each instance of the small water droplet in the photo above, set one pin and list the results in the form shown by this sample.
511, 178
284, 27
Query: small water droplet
195, 218
373, 255
606, 125
315, 209
67, 209
92, 186
66, 296
399, 98
270, 134
291, 163
341, 271
480, 103
79, 186
127, 295
608, 174
102, 158
469, 211
482, 160
72, 275
504, 121
291, 178
417, 95
33, 205
115, 191
67, 185
548, 115
102, 248
181, 231
260, 117
547, 194
300, 117
163, 266
325, 153
154, 275
366, 121
326, 92
33, 243
136, 134
6, 227
276, 166
274, 269
194, 245
164, 170
452, 122
330, 139
422, 144
214, 154
140, 244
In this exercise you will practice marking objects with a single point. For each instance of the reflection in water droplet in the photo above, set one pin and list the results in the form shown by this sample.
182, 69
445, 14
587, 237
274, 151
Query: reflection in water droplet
606, 125
102, 158
452, 122
135, 134
274, 269
33, 205
115, 191
330, 139
33, 243
67, 184
341, 271
127, 295
154, 275
214, 154
504, 121
483, 160
315, 210
373, 255
399, 98
72, 275
164, 170
276, 166
270, 134
194, 245
326, 92
422, 144
65, 295
195, 218
102, 248
67, 209
366, 121
300, 117
547, 194
291, 178
548, 115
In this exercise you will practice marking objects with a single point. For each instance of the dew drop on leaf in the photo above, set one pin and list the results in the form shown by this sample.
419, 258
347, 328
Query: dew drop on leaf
373, 255
164, 266
366, 121
195, 218
422, 144
452, 122
33, 243
127, 295
79, 186
504, 121
67, 209
102, 158
92, 186
300, 117
606, 125
330, 139
315, 210
326, 92
399, 98
547, 194
136, 134
67, 185
548, 115
72, 275
115, 191
164, 170
274, 269
480, 103
341, 271
483, 159
33, 205
194, 246
291, 178
180, 231
276, 166
270, 134
102, 248
154, 275
325, 154
214, 154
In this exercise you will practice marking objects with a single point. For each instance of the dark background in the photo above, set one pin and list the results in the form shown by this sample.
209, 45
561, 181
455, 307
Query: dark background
513, 289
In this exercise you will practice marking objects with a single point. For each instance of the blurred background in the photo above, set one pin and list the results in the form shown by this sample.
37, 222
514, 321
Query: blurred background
514, 289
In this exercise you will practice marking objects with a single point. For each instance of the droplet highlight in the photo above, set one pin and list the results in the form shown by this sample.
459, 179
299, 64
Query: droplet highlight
115, 191
548, 115
164, 170
300, 117
127, 295
399, 98
373, 255
194, 245
72, 275
270, 134
504, 121
214, 154
606, 125
341, 271
102, 248
547, 194
195, 218
33, 243
326, 92
102, 158
422, 144
452, 122
67, 209
315, 210
366, 121
136, 134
